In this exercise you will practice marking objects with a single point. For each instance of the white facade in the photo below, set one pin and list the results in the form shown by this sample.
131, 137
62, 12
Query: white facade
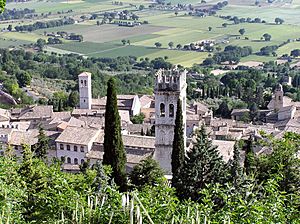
85, 90
169, 86
278, 103
71, 153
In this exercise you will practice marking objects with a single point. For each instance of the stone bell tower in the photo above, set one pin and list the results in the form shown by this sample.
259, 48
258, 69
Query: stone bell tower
278, 97
169, 86
85, 90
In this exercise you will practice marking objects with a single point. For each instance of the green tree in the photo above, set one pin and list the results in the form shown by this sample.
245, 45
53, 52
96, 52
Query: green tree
147, 172
178, 151
9, 28
123, 41
209, 28
223, 110
40, 43
158, 44
171, 45
2, 5
24, 78
114, 152
203, 165
249, 162
179, 46
242, 31
35, 183
41, 148
73, 100
267, 37
224, 25
138, 119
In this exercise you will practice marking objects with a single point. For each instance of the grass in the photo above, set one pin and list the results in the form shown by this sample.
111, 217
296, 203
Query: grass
164, 27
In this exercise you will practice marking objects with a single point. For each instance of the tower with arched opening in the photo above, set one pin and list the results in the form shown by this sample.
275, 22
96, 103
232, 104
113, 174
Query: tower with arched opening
169, 86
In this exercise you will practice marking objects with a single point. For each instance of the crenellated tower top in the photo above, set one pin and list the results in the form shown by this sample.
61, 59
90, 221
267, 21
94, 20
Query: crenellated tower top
170, 80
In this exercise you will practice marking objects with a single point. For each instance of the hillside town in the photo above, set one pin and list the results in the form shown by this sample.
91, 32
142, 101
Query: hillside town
77, 136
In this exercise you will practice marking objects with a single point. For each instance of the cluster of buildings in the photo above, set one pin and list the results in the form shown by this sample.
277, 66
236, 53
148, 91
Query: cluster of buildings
77, 136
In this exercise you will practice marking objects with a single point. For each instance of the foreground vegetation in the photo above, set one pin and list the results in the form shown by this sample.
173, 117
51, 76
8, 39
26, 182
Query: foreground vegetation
34, 192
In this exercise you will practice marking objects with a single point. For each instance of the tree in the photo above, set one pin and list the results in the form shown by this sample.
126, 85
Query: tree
2, 5
267, 37
178, 151
235, 167
34, 183
123, 41
128, 42
138, 119
40, 43
202, 166
279, 21
9, 28
98, 23
24, 79
249, 162
176, 13
41, 148
295, 53
242, 31
147, 172
224, 25
209, 28
141, 7
73, 100
223, 110
171, 45
114, 152
158, 44
179, 46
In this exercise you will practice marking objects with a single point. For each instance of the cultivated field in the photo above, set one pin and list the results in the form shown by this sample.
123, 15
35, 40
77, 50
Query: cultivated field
164, 27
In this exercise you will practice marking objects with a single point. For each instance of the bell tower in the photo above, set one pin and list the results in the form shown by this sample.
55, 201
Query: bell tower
169, 86
85, 90
278, 103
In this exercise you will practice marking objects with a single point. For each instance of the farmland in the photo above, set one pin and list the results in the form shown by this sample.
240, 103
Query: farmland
164, 27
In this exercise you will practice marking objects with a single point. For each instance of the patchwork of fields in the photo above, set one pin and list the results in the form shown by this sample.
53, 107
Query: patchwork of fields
164, 27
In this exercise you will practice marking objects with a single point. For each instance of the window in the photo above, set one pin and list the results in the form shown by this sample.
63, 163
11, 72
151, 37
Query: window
68, 160
82, 161
171, 110
279, 97
84, 82
75, 161
68, 147
81, 149
61, 146
75, 148
62, 159
81, 82
162, 110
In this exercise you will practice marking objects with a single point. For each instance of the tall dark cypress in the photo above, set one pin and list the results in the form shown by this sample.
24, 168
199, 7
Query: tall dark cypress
114, 152
178, 151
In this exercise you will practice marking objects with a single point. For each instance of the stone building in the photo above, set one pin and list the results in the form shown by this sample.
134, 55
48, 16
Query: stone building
169, 86
85, 90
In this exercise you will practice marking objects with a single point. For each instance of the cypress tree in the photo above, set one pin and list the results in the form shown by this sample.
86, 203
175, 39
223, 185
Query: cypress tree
249, 163
42, 146
235, 168
178, 151
203, 165
114, 152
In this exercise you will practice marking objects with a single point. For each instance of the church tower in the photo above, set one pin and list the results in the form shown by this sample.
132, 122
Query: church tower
169, 86
85, 90
278, 101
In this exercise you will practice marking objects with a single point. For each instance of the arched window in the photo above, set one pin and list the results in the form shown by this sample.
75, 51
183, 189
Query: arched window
75, 148
62, 159
75, 161
171, 110
84, 82
68, 160
82, 161
68, 147
162, 110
